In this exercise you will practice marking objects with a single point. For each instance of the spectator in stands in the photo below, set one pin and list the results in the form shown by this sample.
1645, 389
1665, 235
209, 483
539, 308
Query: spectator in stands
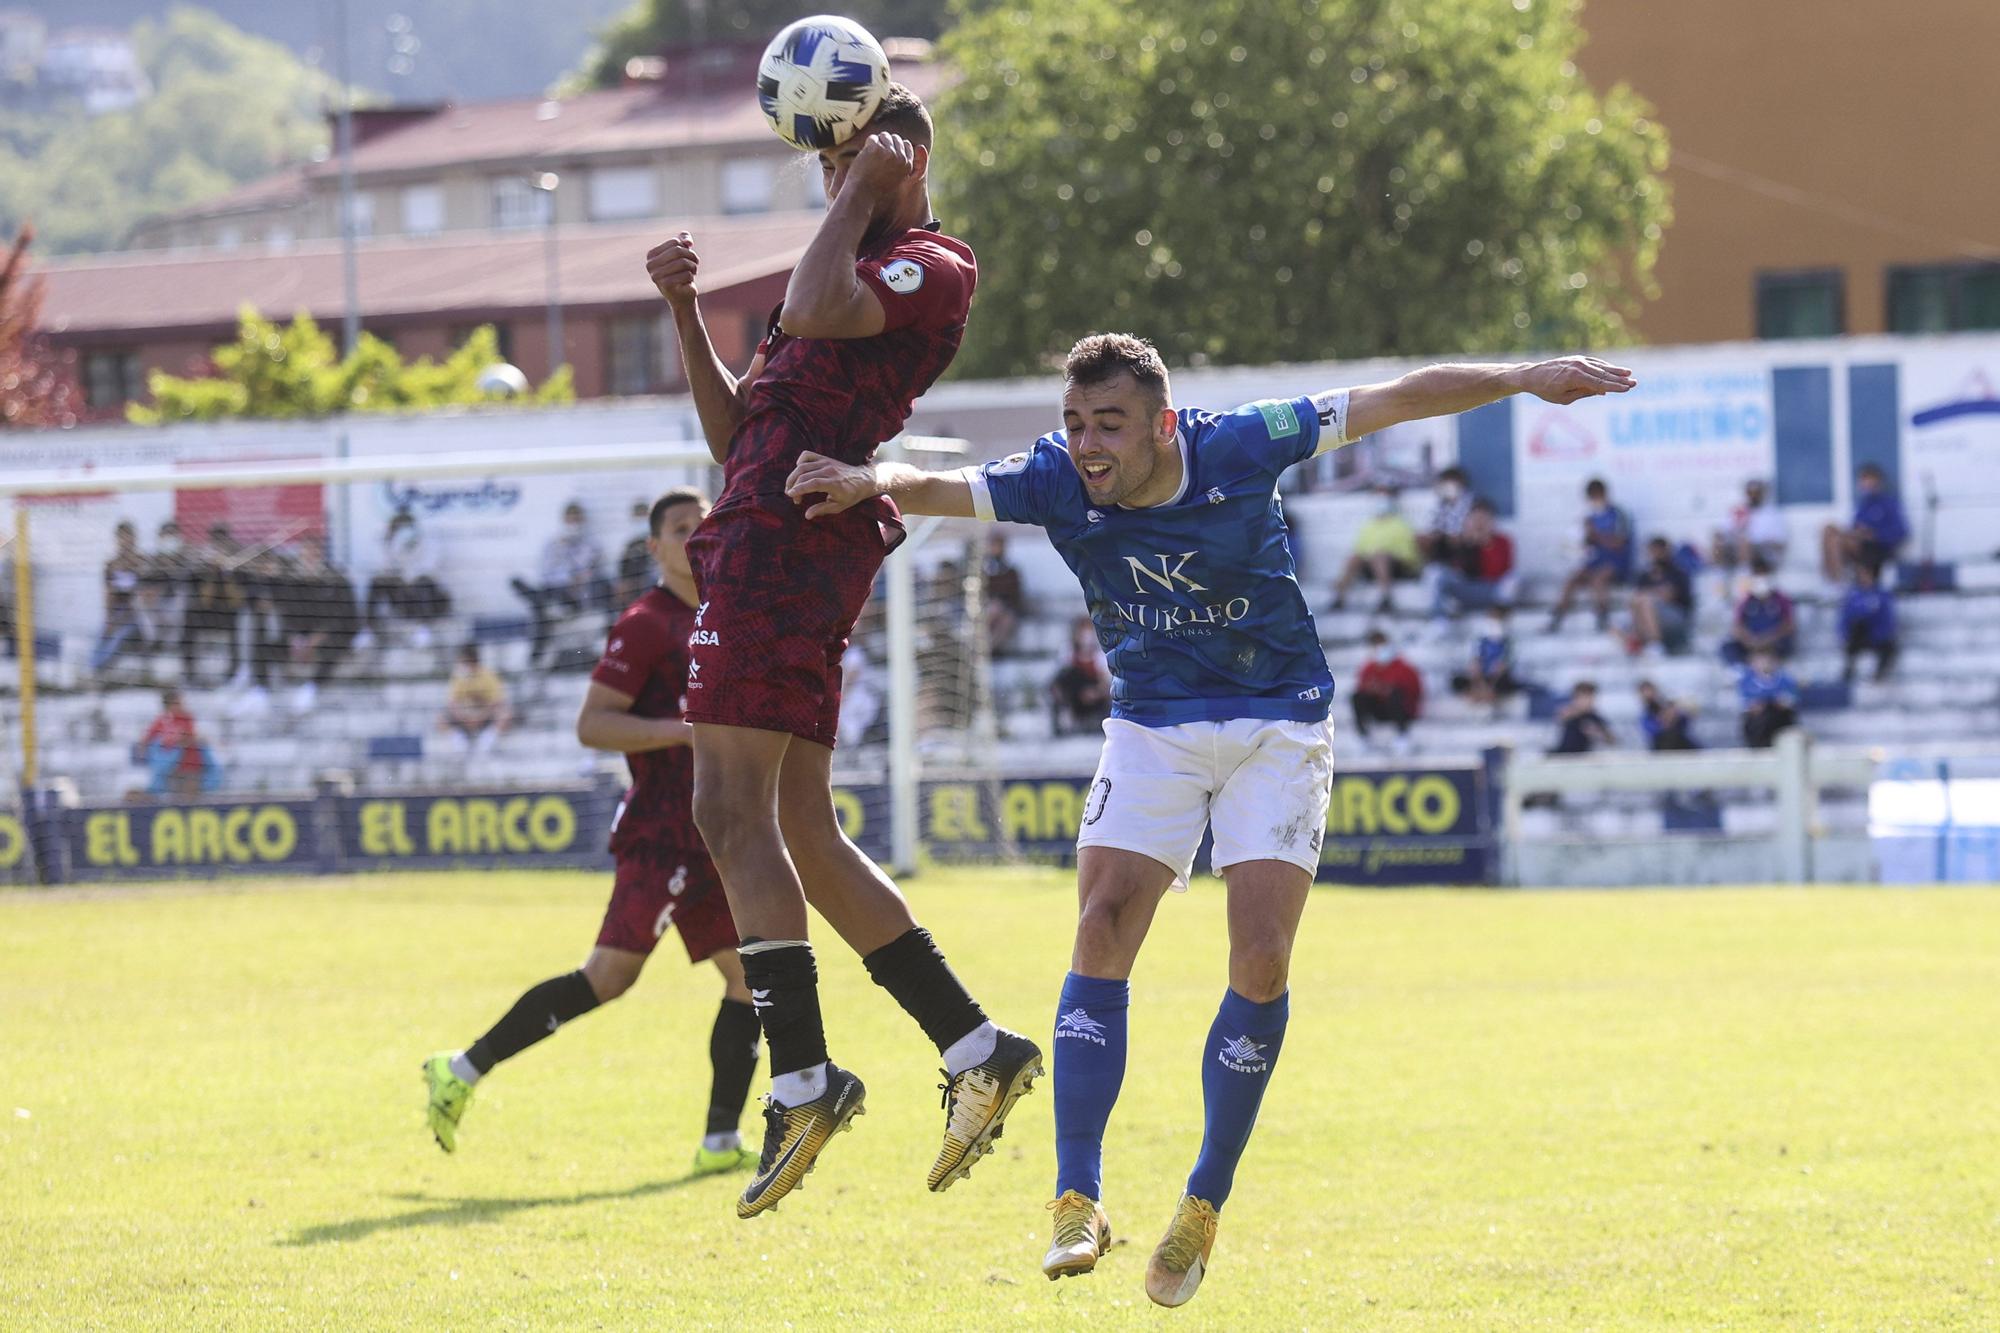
1080, 694
1756, 531
1868, 624
1005, 597
163, 586
320, 620
1607, 555
1665, 721
476, 711
1765, 621
175, 758
1385, 547
123, 628
405, 586
1489, 676
636, 570
215, 602
1454, 502
1478, 571
1387, 690
572, 580
1581, 728
1662, 603
1770, 699
1876, 533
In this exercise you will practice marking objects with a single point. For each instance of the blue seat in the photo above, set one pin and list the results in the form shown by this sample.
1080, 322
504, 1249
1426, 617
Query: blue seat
1823, 696
499, 629
396, 747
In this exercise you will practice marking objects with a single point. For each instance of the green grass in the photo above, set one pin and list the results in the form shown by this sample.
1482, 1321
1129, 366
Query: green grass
1715, 1109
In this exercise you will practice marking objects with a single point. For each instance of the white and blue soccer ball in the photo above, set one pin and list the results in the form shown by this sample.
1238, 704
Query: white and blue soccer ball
820, 80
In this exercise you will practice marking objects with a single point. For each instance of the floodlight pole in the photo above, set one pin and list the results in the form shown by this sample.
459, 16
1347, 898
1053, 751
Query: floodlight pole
548, 182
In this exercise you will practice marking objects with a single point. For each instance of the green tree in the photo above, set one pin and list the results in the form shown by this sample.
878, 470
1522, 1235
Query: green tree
651, 25
227, 108
36, 387
1244, 181
295, 370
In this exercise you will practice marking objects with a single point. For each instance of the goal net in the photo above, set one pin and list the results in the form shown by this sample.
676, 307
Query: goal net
328, 663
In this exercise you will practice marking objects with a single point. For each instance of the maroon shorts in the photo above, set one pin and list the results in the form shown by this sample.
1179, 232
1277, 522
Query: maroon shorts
654, 889
779, 596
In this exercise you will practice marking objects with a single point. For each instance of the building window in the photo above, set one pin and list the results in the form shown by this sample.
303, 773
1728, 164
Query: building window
361, 214
1807, 303
637, 355
516, 203
1944, 298
748, 184
623, 192
112, 378
423, 210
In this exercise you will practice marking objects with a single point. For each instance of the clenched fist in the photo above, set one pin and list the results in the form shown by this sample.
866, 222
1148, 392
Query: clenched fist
672, 266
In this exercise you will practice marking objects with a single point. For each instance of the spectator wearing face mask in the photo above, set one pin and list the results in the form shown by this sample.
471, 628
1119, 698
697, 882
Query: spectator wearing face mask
1385, 547
1764, 621
406, 586
1607, 555
1868, 624
123, 627
1489, 676
572, 580
1388, 690
1756, 531
1662, 603
1877, 531
1770, 699
1454, 502
1580, 727
476, 712
1080, 694
1480, 570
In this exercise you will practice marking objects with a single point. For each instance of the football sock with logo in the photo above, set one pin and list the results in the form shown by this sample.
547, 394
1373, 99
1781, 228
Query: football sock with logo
732, 1053
913, 970
1089, 1067
540, 1011
784, 980
1236, 1067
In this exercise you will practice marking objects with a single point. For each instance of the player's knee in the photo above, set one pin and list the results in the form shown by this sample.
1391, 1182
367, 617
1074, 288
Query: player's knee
1103, 928
607, 980
1260, 970
719, 815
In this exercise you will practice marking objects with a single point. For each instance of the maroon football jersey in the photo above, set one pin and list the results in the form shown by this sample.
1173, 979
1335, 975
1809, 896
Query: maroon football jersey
843, 396
646, 657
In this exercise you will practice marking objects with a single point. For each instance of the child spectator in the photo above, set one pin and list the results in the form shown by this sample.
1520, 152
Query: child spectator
1764, 621
1664, 721
1607, 555
1876, 533
1580, 728
177, 762
1386, 547
1387, 690
476, 712
1868, 624
1080, 694
1489, 676
1756, 531
405, 586
1662, 603
1770, 699
1480, 569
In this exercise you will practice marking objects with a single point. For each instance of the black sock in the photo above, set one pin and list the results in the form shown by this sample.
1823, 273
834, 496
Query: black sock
910, 968
732, 1051
540, 1010
785, 979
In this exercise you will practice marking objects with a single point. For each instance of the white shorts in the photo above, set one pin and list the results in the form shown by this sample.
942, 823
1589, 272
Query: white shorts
1262, 784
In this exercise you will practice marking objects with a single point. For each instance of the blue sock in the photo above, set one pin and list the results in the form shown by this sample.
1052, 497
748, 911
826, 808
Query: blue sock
1090, 1064
1236, 1065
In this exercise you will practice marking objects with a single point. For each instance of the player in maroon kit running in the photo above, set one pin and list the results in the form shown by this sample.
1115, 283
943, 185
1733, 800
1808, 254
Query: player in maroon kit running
663, 877
872, 314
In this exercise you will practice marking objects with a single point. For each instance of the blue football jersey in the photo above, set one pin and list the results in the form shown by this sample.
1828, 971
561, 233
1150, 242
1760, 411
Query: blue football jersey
1196, 601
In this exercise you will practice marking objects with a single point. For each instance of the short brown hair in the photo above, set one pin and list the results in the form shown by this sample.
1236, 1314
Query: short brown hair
679, 495
901, 112
1104, 356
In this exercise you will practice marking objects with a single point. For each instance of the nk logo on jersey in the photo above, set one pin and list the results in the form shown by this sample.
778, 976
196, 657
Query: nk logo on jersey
1080, 1026
1170, 575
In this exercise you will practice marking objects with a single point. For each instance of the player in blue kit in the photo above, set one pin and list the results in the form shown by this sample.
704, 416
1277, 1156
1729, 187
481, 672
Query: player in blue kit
1170, 520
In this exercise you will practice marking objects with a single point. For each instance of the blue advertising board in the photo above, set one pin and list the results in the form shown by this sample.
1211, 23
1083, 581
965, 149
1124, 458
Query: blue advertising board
432, 830
194, 841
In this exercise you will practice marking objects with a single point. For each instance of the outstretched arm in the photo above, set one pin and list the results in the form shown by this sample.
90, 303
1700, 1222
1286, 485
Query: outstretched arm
844, 485
1437, 391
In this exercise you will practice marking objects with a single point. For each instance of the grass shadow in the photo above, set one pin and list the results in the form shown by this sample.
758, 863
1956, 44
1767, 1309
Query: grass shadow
458, 1212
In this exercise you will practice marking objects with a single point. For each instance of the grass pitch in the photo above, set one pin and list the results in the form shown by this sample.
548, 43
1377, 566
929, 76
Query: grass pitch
1754, 1109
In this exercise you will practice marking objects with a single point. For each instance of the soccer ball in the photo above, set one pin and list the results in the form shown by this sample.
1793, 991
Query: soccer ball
501, 379
820, 80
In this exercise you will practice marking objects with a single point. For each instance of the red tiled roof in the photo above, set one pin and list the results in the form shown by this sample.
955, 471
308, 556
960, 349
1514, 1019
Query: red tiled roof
457, 271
